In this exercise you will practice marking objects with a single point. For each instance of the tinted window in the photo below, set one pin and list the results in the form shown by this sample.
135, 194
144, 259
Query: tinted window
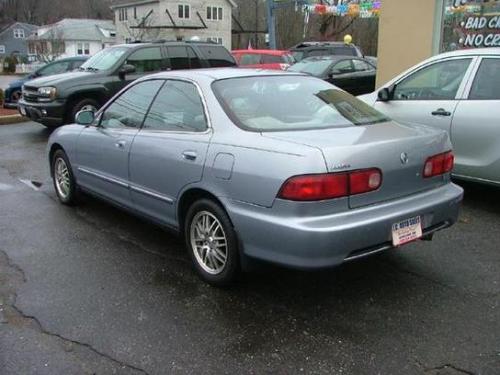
55, 68
250, 59
271, 59
439, 81
486, 85
77, 64
361, 66
129, 109
346, 51
178, 57
193, 59
278, 103
318, 52
178, 107
146, 60
217, 56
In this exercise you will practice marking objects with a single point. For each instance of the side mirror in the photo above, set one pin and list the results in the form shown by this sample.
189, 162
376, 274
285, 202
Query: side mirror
85, 117
126, 69
386, 94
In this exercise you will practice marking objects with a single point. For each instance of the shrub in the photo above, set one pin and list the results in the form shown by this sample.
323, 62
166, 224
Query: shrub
1, 96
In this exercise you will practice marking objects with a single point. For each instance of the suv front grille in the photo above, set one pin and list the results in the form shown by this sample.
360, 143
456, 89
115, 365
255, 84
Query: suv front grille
30, 94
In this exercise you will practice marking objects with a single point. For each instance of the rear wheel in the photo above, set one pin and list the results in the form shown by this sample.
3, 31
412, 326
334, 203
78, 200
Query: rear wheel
212, 243
64, 181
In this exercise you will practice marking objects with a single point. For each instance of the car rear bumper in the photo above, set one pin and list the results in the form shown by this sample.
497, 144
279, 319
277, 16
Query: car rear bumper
329, 240
49, 114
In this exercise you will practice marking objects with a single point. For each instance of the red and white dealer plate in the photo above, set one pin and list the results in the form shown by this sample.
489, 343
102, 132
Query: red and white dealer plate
406, 231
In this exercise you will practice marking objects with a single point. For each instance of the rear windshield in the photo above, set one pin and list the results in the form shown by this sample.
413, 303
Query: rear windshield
314, 67
284, 103
217, 56
337, 50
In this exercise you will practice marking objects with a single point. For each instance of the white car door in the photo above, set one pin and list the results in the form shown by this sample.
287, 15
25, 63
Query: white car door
429, 95
475, 130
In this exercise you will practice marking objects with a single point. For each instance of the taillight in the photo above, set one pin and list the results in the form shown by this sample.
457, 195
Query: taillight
439, 164
331, 185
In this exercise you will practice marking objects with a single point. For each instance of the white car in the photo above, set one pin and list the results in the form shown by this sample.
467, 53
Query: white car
458, 92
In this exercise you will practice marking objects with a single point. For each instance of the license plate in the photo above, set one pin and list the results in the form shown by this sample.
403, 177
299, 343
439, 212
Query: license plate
406, 231
22, 110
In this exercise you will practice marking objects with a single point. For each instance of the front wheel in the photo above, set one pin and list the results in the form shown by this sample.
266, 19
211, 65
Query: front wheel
64, 181
83, 105
212, 243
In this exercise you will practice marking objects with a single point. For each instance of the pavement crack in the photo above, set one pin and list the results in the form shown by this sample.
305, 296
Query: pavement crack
452, 367
17, 314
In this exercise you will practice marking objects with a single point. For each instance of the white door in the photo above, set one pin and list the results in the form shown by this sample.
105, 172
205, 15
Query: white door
429, 96
475, 130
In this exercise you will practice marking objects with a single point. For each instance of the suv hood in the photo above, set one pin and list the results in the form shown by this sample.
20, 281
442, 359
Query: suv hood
57, 79
399, 151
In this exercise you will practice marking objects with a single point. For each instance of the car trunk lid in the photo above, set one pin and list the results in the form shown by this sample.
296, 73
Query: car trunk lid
399, 151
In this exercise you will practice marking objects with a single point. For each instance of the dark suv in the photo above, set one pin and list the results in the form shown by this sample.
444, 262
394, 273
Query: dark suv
54, 101
310, 49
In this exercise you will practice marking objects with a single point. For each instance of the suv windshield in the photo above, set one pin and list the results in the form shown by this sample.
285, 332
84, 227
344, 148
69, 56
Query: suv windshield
105, 59
277, 103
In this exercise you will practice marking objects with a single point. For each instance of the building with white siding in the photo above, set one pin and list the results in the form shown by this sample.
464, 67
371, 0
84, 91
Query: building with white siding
173, 20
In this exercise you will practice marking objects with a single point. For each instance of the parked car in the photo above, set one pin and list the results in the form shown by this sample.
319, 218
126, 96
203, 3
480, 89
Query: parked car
14, 91
458, 92
245, 163
263, 59
54, 101
372, 60
310, 49
355, 75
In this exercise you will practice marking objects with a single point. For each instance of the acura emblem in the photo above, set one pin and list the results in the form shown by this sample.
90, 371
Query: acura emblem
404, 158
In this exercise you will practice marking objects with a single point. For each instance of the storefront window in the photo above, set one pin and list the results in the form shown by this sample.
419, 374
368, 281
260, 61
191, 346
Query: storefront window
470, 24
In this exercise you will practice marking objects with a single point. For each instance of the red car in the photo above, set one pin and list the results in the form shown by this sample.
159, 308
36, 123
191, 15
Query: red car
263, 59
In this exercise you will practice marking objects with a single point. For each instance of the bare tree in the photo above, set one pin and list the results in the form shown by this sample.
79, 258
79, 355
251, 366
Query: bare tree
49, 46
143, 28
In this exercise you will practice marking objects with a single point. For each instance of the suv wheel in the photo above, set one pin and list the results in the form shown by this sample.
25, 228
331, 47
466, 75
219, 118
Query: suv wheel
212, 242
83, 105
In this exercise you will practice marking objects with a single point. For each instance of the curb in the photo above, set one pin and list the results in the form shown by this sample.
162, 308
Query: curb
12, 119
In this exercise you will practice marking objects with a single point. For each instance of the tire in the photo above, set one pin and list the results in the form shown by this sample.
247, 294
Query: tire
206, 247
64, 182
81, 104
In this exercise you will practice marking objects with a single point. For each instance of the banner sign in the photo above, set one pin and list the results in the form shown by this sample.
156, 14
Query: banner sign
353, 8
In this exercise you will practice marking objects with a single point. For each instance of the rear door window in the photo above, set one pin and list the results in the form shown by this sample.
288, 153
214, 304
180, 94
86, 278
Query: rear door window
194, 60
217, 56
179, 58
146, 60
486, 85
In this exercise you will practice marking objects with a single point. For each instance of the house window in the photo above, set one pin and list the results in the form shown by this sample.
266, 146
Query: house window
2, 48
83, 49
214, 40
123, 14
31, 49
214, 13
184, 11
19, 33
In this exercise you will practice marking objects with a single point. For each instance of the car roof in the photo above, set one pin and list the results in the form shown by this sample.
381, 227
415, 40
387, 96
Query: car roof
330, 57
316, 45
262, 51
469, 52
215, 74
168, 43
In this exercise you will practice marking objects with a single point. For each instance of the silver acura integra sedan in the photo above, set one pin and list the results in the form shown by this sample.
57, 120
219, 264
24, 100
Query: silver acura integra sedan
281, 167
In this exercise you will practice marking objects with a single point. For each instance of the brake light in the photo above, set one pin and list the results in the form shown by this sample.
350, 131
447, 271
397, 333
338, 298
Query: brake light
439, 164
331, 185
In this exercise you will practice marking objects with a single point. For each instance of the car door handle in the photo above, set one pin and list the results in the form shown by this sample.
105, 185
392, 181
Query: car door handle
120, 144
441, 112
189, 155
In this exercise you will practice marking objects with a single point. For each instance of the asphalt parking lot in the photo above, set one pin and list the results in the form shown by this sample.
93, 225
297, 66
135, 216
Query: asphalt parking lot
92, 290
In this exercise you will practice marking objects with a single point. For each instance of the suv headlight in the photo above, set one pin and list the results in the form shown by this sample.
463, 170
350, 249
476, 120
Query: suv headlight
47, 92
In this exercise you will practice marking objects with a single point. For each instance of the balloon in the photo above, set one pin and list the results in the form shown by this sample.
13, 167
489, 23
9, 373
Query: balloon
347, 39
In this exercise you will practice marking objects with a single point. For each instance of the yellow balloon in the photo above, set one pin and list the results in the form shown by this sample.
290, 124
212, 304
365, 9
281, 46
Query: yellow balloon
348, 39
